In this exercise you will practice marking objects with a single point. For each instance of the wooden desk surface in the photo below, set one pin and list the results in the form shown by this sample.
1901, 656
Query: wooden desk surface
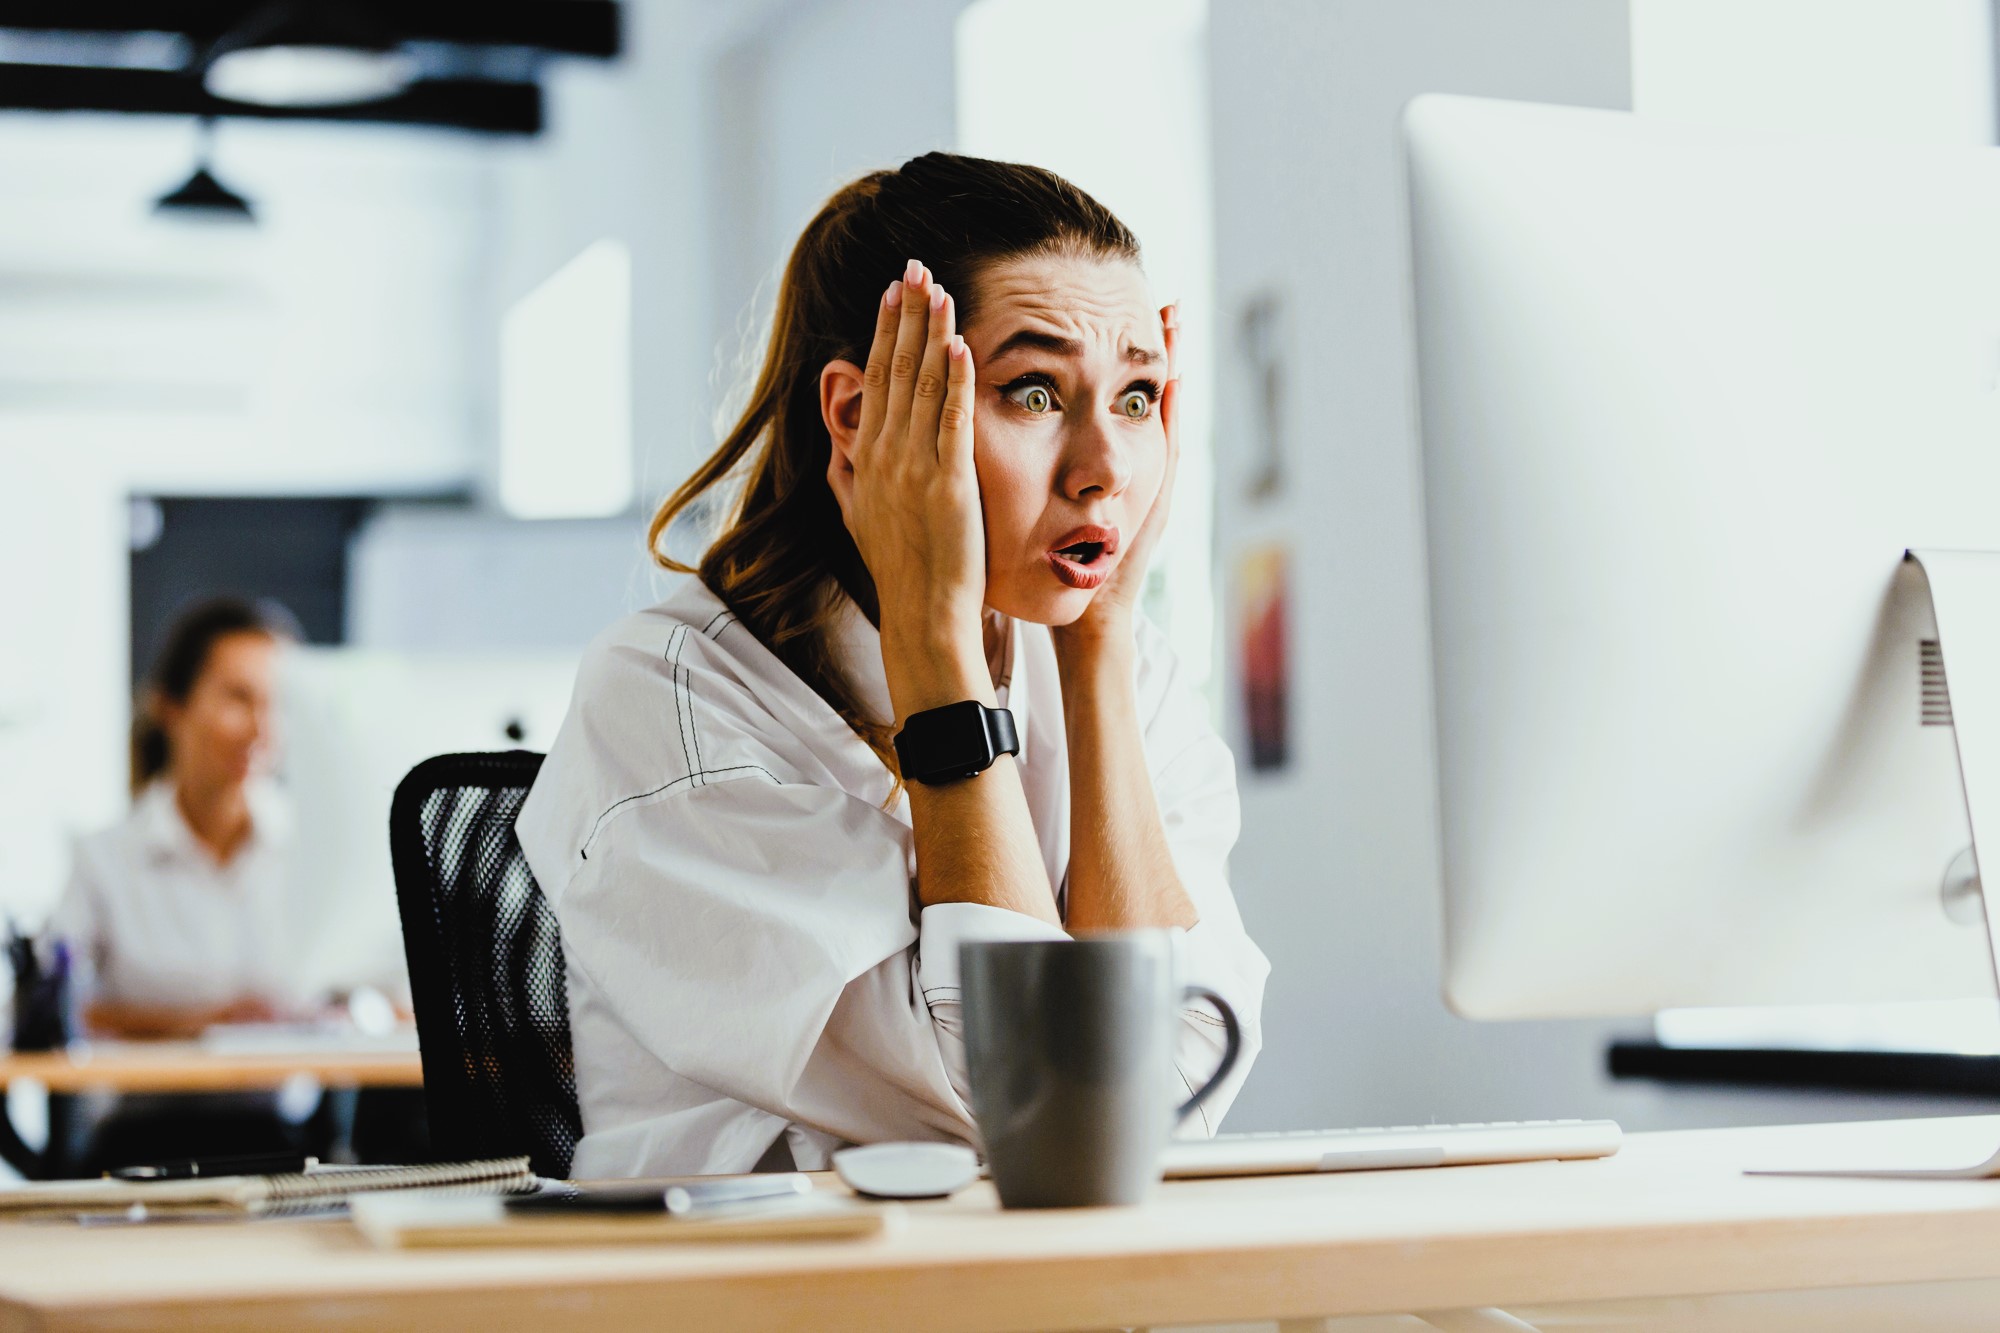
1671, 1215
187, 1066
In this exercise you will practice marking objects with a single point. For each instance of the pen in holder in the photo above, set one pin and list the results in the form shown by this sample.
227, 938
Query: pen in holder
42, 1018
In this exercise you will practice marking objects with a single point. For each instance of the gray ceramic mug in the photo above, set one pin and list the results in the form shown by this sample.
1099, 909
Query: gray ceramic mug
1069, 1044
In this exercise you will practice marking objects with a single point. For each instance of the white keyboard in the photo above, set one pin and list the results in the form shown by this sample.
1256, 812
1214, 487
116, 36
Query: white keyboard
1379, 1149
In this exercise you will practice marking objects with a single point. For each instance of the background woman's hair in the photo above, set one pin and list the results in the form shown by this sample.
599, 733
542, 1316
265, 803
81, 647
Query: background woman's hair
180, 662
783, 556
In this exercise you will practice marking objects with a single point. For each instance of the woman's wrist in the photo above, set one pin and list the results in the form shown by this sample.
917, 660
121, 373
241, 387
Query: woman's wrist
931, 665
1087, 649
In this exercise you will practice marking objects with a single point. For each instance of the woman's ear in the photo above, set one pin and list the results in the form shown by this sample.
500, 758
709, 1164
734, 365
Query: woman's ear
840, 408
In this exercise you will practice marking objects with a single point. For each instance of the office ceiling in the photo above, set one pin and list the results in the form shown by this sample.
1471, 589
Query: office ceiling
477, 64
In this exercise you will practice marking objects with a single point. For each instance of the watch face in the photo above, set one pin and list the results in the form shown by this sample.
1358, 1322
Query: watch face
952, 742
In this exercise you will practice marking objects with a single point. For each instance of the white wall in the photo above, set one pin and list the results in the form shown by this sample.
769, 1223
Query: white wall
1336, 871
820, 93
63, 687
1903, 69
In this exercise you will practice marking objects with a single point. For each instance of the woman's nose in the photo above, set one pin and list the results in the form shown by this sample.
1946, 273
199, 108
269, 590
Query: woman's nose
1098, 465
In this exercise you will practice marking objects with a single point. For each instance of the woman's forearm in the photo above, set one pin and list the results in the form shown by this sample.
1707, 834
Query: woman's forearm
975, 840
1121, 872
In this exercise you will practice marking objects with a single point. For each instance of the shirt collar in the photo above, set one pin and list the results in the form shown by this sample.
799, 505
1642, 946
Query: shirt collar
166, 835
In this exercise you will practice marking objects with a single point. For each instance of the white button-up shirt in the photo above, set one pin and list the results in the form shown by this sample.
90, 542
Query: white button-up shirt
747, 957
153, 919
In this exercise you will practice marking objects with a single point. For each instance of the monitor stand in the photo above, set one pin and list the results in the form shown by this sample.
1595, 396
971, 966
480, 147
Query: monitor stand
1965, 599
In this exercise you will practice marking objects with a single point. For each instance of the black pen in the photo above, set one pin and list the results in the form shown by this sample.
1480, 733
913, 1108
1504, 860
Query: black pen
688, 1198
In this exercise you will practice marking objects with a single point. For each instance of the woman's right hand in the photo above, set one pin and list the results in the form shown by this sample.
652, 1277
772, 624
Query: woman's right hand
911, 498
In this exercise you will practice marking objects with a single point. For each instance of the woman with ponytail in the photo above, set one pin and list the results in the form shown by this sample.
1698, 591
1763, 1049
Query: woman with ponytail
758, 828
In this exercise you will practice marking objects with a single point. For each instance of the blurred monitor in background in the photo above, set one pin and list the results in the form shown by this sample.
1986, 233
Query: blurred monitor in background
354, 721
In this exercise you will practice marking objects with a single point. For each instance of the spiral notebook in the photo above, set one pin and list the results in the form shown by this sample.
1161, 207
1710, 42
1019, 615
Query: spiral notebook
258, 1196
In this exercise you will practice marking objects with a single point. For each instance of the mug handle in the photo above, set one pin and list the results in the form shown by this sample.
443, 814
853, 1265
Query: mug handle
1233, 1047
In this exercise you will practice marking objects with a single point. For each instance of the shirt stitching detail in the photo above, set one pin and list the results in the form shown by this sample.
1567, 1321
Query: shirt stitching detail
681, 683
674, 642
614, 807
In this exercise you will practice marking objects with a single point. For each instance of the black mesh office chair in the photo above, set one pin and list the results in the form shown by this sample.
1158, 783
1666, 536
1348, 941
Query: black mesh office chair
486, 964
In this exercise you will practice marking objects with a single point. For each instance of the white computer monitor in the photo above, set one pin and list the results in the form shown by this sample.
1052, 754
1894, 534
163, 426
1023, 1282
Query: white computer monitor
1686, 398
354, 722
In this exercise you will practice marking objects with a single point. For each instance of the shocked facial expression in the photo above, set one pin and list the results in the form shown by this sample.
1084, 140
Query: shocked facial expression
1070, 360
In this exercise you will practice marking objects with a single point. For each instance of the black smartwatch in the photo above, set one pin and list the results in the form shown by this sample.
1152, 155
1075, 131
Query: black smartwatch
954, 742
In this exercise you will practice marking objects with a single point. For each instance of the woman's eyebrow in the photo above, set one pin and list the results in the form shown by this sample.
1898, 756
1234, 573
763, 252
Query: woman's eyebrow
1057, 345
1053, 343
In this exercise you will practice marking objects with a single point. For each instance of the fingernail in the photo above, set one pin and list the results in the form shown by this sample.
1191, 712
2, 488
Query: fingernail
937, 298
894, 296
913, 272
956, 347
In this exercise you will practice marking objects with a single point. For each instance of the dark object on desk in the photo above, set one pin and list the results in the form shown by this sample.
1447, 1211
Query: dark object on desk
255, 1164
1914, 1073
44, 1017
688, 1198
486, 964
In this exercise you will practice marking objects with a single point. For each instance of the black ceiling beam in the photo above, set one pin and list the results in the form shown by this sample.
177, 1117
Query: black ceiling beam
568, 27
465, 104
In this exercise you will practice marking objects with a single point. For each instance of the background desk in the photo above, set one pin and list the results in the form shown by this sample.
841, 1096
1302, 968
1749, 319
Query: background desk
1671, 1216
192, 1067
189, 1066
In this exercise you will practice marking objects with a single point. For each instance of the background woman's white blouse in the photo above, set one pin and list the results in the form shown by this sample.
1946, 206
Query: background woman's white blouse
747, 956
154, 919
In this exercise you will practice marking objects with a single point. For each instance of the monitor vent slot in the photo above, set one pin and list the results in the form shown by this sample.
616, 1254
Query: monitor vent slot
1936, 698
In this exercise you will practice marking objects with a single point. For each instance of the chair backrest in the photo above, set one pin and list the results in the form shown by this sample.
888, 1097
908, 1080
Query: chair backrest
486, 964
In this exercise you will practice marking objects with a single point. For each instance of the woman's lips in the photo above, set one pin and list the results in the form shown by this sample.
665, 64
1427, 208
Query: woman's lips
1083, 557
1079, 575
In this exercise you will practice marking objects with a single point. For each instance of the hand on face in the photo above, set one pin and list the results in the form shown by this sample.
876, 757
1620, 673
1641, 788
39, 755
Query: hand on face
1053, 516
905, 478
1073, 447
1112, 608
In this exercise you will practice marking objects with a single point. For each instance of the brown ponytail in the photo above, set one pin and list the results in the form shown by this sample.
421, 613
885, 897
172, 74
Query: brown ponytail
784, 558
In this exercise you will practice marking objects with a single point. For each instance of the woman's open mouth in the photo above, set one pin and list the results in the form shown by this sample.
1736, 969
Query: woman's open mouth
1084, 558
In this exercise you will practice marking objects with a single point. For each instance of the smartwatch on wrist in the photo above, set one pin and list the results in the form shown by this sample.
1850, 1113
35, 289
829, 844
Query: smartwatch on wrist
954, 742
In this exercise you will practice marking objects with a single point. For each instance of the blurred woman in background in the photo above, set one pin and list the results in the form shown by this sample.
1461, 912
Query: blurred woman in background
176, 912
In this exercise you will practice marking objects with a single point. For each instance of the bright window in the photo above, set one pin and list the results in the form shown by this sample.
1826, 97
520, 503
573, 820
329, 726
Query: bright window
566, 391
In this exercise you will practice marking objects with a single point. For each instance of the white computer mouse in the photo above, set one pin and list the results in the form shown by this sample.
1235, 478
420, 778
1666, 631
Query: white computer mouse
907, 1170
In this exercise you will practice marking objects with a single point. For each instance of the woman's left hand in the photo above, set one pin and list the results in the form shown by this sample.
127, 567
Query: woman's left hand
1112, 608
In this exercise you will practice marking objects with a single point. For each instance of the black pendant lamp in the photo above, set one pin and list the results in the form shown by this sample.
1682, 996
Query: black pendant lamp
201, 196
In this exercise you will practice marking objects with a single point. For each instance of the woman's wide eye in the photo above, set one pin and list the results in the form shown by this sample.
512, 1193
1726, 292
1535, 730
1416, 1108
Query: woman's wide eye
1036, 398
1136, 404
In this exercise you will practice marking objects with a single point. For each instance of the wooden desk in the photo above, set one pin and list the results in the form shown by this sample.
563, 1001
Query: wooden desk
191, 1067
1670, 1216
188, 1066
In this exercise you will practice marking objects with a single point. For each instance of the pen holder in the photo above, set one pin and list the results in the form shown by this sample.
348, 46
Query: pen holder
42, 1011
